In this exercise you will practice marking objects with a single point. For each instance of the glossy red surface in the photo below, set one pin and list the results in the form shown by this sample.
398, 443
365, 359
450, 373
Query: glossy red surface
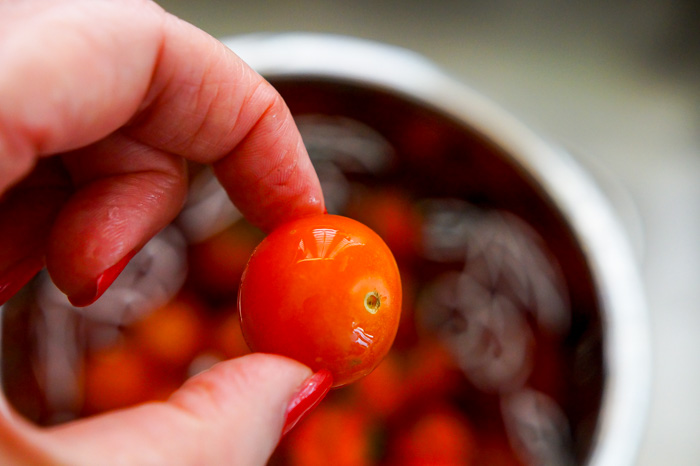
324, 290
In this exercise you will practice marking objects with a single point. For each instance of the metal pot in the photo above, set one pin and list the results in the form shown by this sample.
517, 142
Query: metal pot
362, 83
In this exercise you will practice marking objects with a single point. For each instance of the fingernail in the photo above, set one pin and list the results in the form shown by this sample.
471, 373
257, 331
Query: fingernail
17, 276
307, 398
93, 293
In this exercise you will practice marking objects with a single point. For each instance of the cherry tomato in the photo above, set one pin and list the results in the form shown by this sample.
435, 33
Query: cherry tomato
324, 290
333, 434
393, 216
440, 436
171, 335
382, 392
115, 377
226, 337
220, 260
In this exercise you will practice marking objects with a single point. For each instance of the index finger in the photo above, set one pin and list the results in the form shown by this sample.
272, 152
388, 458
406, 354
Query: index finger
93, 78
176, 88
220, 111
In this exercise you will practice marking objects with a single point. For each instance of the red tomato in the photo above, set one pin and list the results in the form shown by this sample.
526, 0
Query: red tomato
332, 434
219, 261
172, 334
382, 392
116, 377
226, 337
440, 437
393, 216
324, 290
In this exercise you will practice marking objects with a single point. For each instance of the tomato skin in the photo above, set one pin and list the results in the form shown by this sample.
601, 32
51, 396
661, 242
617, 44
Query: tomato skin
310, 291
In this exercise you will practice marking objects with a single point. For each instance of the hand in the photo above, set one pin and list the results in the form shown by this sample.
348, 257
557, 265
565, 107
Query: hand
102, 105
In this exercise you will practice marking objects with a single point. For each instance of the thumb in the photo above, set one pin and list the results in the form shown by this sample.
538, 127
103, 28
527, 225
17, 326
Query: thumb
233, 413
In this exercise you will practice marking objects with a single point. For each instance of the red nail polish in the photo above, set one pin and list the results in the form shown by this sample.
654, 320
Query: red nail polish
17, 276
92, 294
307, 398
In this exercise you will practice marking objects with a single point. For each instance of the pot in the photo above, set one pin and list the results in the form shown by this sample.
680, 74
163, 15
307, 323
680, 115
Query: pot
480, 173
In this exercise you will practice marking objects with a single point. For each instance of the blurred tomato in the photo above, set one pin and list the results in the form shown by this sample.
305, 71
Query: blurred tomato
393, 216
332, 435
226, 336
432, 372
116, 377
216, 265
382, 392
407, 336
439, 437
172, 334
494, 450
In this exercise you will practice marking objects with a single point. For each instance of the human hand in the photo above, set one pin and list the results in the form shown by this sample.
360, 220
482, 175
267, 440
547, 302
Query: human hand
102, 105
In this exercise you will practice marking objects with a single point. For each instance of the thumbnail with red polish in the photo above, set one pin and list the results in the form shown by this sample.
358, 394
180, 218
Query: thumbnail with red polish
307, 398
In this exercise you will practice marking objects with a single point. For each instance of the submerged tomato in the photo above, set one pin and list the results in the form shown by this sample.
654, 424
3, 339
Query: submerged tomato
324, 290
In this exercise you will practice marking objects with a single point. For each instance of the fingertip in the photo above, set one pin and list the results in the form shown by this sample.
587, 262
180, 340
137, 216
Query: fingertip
233, 413
261, 378
269, 175
94, 290
126, 193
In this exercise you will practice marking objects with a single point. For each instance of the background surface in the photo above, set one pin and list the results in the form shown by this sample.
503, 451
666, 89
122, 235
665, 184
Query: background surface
618, 84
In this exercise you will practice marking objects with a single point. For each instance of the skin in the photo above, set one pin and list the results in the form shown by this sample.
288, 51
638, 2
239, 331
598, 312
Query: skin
103, 102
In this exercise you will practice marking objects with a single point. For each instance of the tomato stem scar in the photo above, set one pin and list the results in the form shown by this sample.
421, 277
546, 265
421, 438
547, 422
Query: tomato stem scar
372, 302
